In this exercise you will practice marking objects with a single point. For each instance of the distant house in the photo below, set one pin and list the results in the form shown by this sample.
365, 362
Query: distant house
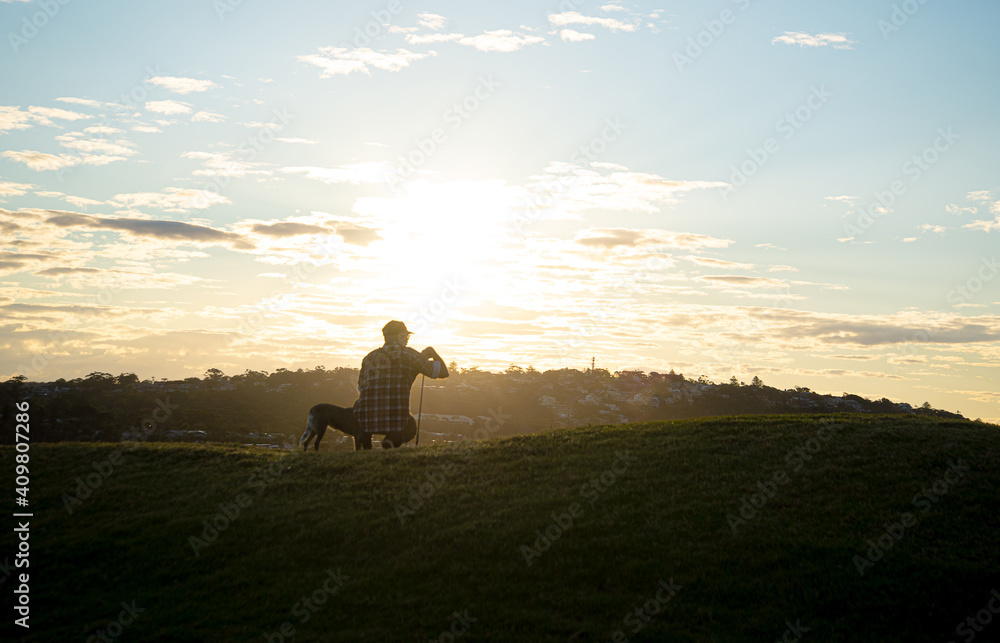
462, 419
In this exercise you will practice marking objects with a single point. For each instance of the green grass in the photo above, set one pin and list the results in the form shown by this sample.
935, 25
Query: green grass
664, 517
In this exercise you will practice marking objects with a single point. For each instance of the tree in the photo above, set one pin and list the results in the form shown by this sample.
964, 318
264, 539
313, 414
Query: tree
125, 379
100, 380
214, 374
926, 406
733, 381
756, 382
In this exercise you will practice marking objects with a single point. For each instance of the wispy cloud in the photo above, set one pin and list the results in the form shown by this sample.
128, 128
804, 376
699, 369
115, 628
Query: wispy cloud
567, 189
431, 20
158, 229
207, 117
168, 107
576, 18
87, 146
837, 40
353, 173
570, 35
8, 188
433, 38
224, 164
14, 118
182, 85
340, 61
500, 40
170, 200
87, 102
40, 161
744, 281
608, 238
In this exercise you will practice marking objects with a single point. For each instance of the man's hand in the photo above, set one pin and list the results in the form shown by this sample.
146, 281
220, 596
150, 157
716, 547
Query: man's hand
430, 353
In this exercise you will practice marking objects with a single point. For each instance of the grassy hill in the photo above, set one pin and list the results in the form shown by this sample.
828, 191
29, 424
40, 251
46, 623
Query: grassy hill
719, 529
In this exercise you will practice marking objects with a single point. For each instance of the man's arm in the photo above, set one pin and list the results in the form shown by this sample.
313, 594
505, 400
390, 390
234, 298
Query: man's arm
440, 370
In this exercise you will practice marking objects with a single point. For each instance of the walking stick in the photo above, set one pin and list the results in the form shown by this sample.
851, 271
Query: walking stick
420, 411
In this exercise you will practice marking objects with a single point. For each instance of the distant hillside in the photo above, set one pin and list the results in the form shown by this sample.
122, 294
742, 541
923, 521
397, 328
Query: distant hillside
270, 408
838, 527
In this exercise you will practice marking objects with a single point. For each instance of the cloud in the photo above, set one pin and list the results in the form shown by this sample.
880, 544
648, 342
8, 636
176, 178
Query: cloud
433, 38
354, 173
95, 146
838, 40
608, 238
984, 197
783, 268
147, 129
936, 229
223, 164
340, 61
575, 18
358, 235
40, 161
431, 20
168, 107
103, 129
501, 40
575, 36
151, 228
87, 102
565, 190
316, 224
44, 114
744, 281
207, 117
720, 263
859, 358
8, 188
984, 226
263, 125
182, 85
85, 277
14, 118
612, 7
873, 330
952, 208
300, 141
288, 229
13, 262
80, 201
170, 200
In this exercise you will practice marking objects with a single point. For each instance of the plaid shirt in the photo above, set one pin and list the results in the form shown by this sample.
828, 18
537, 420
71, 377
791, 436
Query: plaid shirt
384, 382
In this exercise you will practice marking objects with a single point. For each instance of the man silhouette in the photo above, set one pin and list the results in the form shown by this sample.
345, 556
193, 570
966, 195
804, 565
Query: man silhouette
384, 383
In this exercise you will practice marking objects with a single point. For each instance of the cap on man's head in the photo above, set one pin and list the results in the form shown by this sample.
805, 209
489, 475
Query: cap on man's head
394, 328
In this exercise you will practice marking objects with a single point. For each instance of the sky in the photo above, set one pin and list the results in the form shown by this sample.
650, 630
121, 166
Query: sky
802, 191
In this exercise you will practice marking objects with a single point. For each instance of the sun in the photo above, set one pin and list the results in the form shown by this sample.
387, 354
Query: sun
435, 227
